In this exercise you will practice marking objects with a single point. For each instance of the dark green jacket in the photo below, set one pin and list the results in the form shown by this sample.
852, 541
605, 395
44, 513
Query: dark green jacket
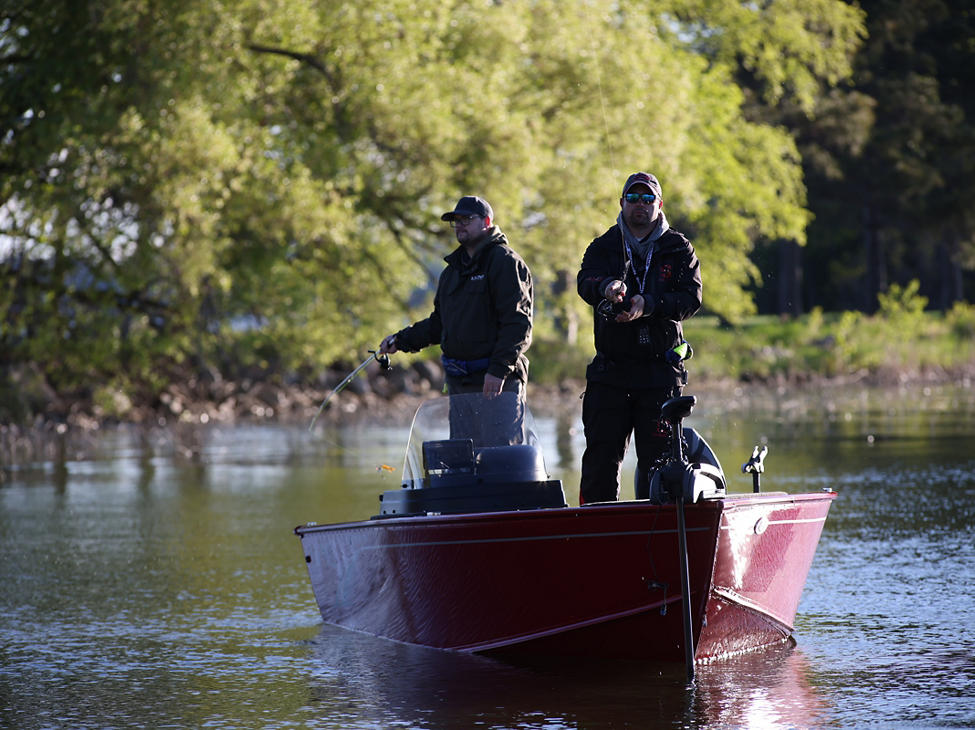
482, 309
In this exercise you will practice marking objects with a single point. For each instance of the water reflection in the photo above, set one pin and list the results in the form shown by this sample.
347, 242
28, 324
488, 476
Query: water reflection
768, 689
565, 429
362, 681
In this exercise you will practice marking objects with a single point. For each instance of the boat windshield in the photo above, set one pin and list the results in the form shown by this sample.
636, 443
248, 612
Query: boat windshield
467, 421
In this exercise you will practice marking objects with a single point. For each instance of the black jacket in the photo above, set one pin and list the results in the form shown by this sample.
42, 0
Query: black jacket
632, 354
482, 309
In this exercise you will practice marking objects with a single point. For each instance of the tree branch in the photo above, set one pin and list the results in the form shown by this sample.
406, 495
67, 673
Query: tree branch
307, 58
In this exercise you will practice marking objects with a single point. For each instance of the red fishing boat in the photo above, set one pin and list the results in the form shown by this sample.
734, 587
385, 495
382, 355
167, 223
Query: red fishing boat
478, 551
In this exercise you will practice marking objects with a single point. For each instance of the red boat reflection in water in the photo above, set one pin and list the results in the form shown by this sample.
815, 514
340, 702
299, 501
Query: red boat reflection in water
479, 553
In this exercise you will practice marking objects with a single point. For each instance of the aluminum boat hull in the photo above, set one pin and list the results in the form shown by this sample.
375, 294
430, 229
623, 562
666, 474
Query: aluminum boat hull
600, 580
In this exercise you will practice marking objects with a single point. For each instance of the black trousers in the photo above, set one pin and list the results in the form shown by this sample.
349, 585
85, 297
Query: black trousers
610, 415
495, 421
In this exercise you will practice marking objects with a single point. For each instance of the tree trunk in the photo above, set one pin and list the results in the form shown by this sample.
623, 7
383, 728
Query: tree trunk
790, 280
566, 320
875, 274
950, 288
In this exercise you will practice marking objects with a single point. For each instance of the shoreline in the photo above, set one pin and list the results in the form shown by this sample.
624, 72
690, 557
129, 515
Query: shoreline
392, 400
381, 396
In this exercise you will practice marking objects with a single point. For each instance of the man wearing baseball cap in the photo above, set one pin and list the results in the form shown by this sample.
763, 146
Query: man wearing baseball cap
482, 311
642, 279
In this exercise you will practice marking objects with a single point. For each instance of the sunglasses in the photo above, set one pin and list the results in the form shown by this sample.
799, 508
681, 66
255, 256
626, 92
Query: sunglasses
640, 198
462, 220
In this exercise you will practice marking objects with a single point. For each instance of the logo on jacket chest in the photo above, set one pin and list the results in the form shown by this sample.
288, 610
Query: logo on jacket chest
477, 277
666, 272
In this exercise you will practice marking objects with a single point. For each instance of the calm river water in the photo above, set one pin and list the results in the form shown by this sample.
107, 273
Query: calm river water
153, 580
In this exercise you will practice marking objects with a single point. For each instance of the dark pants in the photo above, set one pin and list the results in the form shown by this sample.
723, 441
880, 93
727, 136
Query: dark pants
609, 415
496, 421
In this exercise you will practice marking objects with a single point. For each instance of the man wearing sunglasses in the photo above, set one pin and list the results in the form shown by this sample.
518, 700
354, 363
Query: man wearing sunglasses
642, 279
482, 311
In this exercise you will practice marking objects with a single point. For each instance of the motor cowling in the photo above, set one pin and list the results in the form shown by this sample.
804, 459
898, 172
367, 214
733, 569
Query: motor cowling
700, 477
693, 482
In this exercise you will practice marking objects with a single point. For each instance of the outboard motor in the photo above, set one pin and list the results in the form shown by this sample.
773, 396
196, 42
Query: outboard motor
690, 469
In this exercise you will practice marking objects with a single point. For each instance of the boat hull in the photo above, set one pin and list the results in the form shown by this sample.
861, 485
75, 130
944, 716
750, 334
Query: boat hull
600, 580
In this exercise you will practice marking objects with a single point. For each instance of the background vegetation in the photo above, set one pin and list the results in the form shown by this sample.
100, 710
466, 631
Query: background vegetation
900, 341
209, 191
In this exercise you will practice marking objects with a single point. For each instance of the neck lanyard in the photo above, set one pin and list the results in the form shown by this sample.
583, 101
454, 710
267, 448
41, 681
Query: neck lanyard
642, 281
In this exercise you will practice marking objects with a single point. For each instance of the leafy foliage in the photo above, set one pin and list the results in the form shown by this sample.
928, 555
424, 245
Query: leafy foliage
889, 161
256, 186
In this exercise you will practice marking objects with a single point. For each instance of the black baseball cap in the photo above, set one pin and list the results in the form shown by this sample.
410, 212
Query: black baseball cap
470, 205
643, 178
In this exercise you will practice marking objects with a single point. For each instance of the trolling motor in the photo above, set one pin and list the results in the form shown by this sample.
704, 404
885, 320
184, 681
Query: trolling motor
678, 481
677, 475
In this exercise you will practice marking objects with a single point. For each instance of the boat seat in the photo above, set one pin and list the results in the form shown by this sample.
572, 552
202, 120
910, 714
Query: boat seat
516, 463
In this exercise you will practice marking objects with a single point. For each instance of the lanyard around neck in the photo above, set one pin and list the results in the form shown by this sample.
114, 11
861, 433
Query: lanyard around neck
642, 281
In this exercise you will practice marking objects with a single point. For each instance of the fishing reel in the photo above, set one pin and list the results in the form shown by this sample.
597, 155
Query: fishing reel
383, 359
608, 310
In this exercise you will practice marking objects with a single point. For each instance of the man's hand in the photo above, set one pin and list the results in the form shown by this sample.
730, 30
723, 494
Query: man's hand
388, 345
635, 311
615, 291
492, 385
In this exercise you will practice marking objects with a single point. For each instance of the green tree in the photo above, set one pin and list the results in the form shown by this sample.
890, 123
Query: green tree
228, 187
889, 161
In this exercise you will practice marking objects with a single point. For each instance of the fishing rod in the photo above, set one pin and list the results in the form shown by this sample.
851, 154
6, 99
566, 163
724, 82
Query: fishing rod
383, 361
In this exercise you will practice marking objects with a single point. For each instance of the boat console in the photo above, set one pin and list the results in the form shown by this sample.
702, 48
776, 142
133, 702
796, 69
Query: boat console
469, 453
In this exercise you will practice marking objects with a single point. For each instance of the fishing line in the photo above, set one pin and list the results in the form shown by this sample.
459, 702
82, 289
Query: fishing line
383, 361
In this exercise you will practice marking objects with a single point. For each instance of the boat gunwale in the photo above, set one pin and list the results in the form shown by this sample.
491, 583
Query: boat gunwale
726, 503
